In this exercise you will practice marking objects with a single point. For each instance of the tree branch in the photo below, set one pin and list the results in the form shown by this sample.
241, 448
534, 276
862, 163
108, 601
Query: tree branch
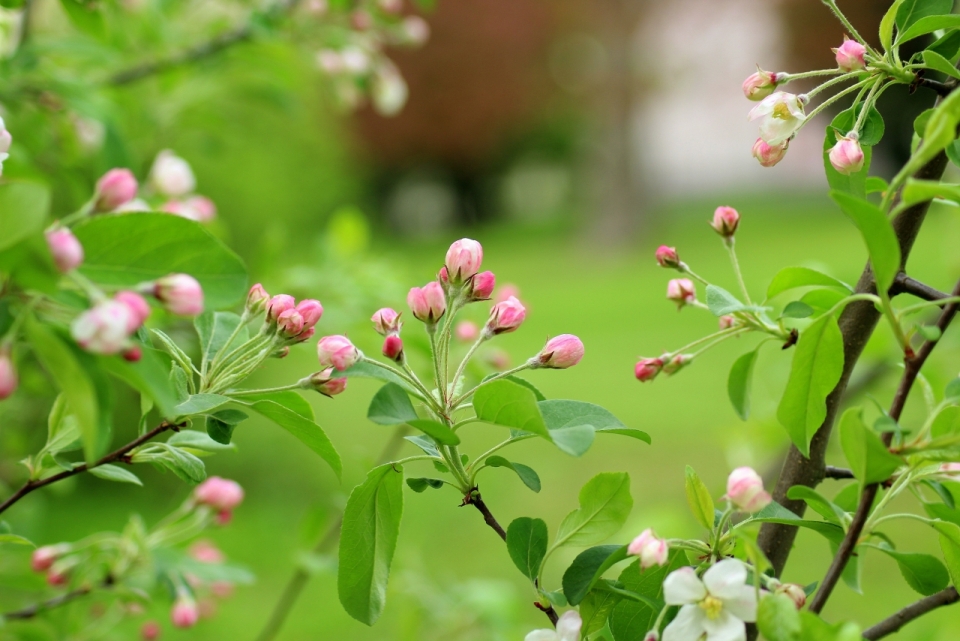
33, 610
903, 284
913, 611
832, 472
117, 455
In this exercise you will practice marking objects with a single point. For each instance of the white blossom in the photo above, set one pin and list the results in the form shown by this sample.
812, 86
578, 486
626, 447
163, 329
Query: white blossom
714, 608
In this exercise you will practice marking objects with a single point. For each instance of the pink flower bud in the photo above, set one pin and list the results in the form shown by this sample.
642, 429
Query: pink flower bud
647, 369
44, 557
795, 592
505, 317
507, 291
219, 493
950, 470
206, 552
498, 360
324, 383
139, 308
180, 294
361, 20
221, 589
759, 85
204, 210
416, 30
150, 631
56, 578
386, 321
289, 323
185, 613
467, 331
681, 291
768, 155
278, 305
847, 156
105, 328
560, 352
725, 221
257, 299
667, 257
132, 354
850, 55
676, 363
115, 188
391, 6
224, 517
8, 376
651, 550
726, 322
337, 351
745, 490
481, 286
311, 310
171, 175
66, 250
305, 335
393, 348
463, 260
428, 303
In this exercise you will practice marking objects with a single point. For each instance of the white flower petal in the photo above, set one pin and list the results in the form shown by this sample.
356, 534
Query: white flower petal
682, 587
688, 626
542, 635
726, 627
568, 627
725, 579
744, 605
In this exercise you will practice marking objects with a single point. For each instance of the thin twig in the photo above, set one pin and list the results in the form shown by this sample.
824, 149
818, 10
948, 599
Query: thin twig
941, 88
116, 455
832, 472
33, 610
913, 611
903, 284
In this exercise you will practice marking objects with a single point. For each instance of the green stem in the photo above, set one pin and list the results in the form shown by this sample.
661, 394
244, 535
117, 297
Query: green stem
685, 269
269, 390
498, 447
829, 101
700, 341
832, 5
466, 359
436, 358
220, 355
790, 77
730, 243
455, 402
933, 303
833, 81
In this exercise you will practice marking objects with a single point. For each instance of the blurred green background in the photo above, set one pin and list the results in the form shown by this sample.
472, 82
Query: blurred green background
320, 205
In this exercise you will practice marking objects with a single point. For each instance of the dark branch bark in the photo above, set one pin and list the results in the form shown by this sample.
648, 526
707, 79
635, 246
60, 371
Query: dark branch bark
116, 455
942, 89
903, 284
33, 610
832, 472
913, 611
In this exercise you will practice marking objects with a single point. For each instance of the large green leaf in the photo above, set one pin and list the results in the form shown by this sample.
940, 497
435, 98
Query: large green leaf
605, 504
127, 249
148, 376
878, 234
506, 403
309, 433
23, 210
793, 277
288, 398
869, 459
910, 11
595, 609
200, 404
437, 431
935, 61
816, 369
587, 568
115, 473
363, 369
738, 383
777, 618
527, 544
818, 503
923, 572
699, 499
887, 24
927, 25
391, 406
368, 539
631, 620
559, 414
855, 183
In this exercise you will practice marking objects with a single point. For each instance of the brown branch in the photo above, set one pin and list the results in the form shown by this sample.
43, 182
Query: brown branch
116, 455
832, 472
942, 89
913, 611
33, 610
912, 366
903, 284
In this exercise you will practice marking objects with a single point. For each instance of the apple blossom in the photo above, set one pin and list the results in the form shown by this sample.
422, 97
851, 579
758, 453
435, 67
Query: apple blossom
769, 155
115, 188
466, 331
759, 85
850, 55
463, 260
171, 175
311, 310
568, 629
725, 221
651, 549
560, 352
647, 369
716, 606
505, 317
289, 324
781, 114
667, 257
104, 328
139, 308
180, 294
219, 493
337, 351
184, 613
278, 305
8, 375
481, 286
386, 321
681, 291
257, 299
66, 250
847, 156
745, 490
428, 303
324, 383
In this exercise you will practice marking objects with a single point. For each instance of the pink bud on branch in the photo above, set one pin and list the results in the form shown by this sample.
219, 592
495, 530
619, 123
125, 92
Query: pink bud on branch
393, 348
184, 613
647, 369
725, 221
289, 324
44, 557
105, 328
651, 549
759, 85
850, 55
278, 305
139, 308
681, 291
745, 490
219, 493
481, 286
668, 257
847, 156
180, 294
560, 352
311, 311
66, 250
463, 260
115, 188
337, 351
386, 321
324, 383
8, 375
171, 175
257, 299
505, 317
428, 303
769, 155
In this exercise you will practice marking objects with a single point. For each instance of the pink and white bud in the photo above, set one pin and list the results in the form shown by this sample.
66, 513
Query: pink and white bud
56, 578
560, 352
337, 351
171, 175
795, 592
324, 383
676, 363
769, 155
390, 6
481, 286
647, 369
467, 331
651, 549
66, 250
505, 317
115, 188
224, 517
137, 204
219, 493
781, 115
132, 354
289, 324
681, 291
667, 257
428, 303
139, 308
204, 209
44, 557
5, 141
745, 490
8, 375
184, 613
278, 305
206, 552
759, 85
180, 294
150, 631
311, 310
386, 321
104, 328
847, 156
850, 55
726, 322
257, 300
416, 31
393, 347
950, 470
725, 221
463, 260
507, 291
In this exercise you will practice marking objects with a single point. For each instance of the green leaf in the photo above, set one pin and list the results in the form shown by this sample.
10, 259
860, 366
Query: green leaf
200, 404
793, 277
519, 381
872, 129
438, 431
420, 485
527, 544
952, 392
912, 10
23, 211
506, 403
822, 506
823, 300
948, 45
605, 504
16, 540
560, 414
574, 440
368, 539
816, 629
721, 302
85, 16
391, 406
924, 573
937, 62
182, 463
196, 442
595, 609
887, 24
587, 568
220, 425
631, 620
309, 433
738, 383
527, 474
854, 184
797, 309
869, 459
927, 25
776, 513
699, 499
947, 422
917, 191
816, 369
362, 369
950, 546
777, 618
115, 473
289, 399
876, 184
878, 234
214, 330
148, 376
425, 443
78, 390
127, 249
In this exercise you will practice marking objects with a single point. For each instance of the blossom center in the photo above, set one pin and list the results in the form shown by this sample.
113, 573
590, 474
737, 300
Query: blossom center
782, 112
712, 607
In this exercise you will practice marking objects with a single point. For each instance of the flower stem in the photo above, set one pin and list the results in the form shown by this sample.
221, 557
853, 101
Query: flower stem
736, 270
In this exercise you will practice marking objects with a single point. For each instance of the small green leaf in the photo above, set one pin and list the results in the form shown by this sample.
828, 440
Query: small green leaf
425, 443
910, 11
587, 568
519, 381
527, 474
182, 463
738, 383
438, 431
214, 330
869, 459
793, 277
946, 422
527, 544
605, 504
721, 302
509, 404
871, 130
196, 442
23, 210
574, 440
560, 414
887, 23
927, 25
937, 62
391, 406
777, 618
822, 506
699, 499
16, 540
876, 184
115, 473
924, 573
362, 369
200, 404
309, 433
877, 232
952, 392
419, 485
289, 399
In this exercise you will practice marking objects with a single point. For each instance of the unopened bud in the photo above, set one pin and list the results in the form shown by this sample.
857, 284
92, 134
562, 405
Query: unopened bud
180, 294
386, 321
726, 322
795, 592
44, 557
257, 299
8, 375
138, 306
393, 348
278, 305
769, 155
416, 30
647, 369
676, 363
481, 286
463, 260
725, 221
850, 55
150, 631
745, 490
338, 352
311, 310
132, 354
428, 303
325, 383
560, 352
115, 188
171, 175
667, 257
289, 323
66, 250
219, 493
184, 613
759, 85
847, 156
681, 291
505, 317
651, 549
467, 331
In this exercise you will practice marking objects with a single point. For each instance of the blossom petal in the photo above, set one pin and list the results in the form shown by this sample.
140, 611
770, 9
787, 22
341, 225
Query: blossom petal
682, 587
725, 579
542, 635
687, 626
744, 605
725, 627
568, 627
765, 108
